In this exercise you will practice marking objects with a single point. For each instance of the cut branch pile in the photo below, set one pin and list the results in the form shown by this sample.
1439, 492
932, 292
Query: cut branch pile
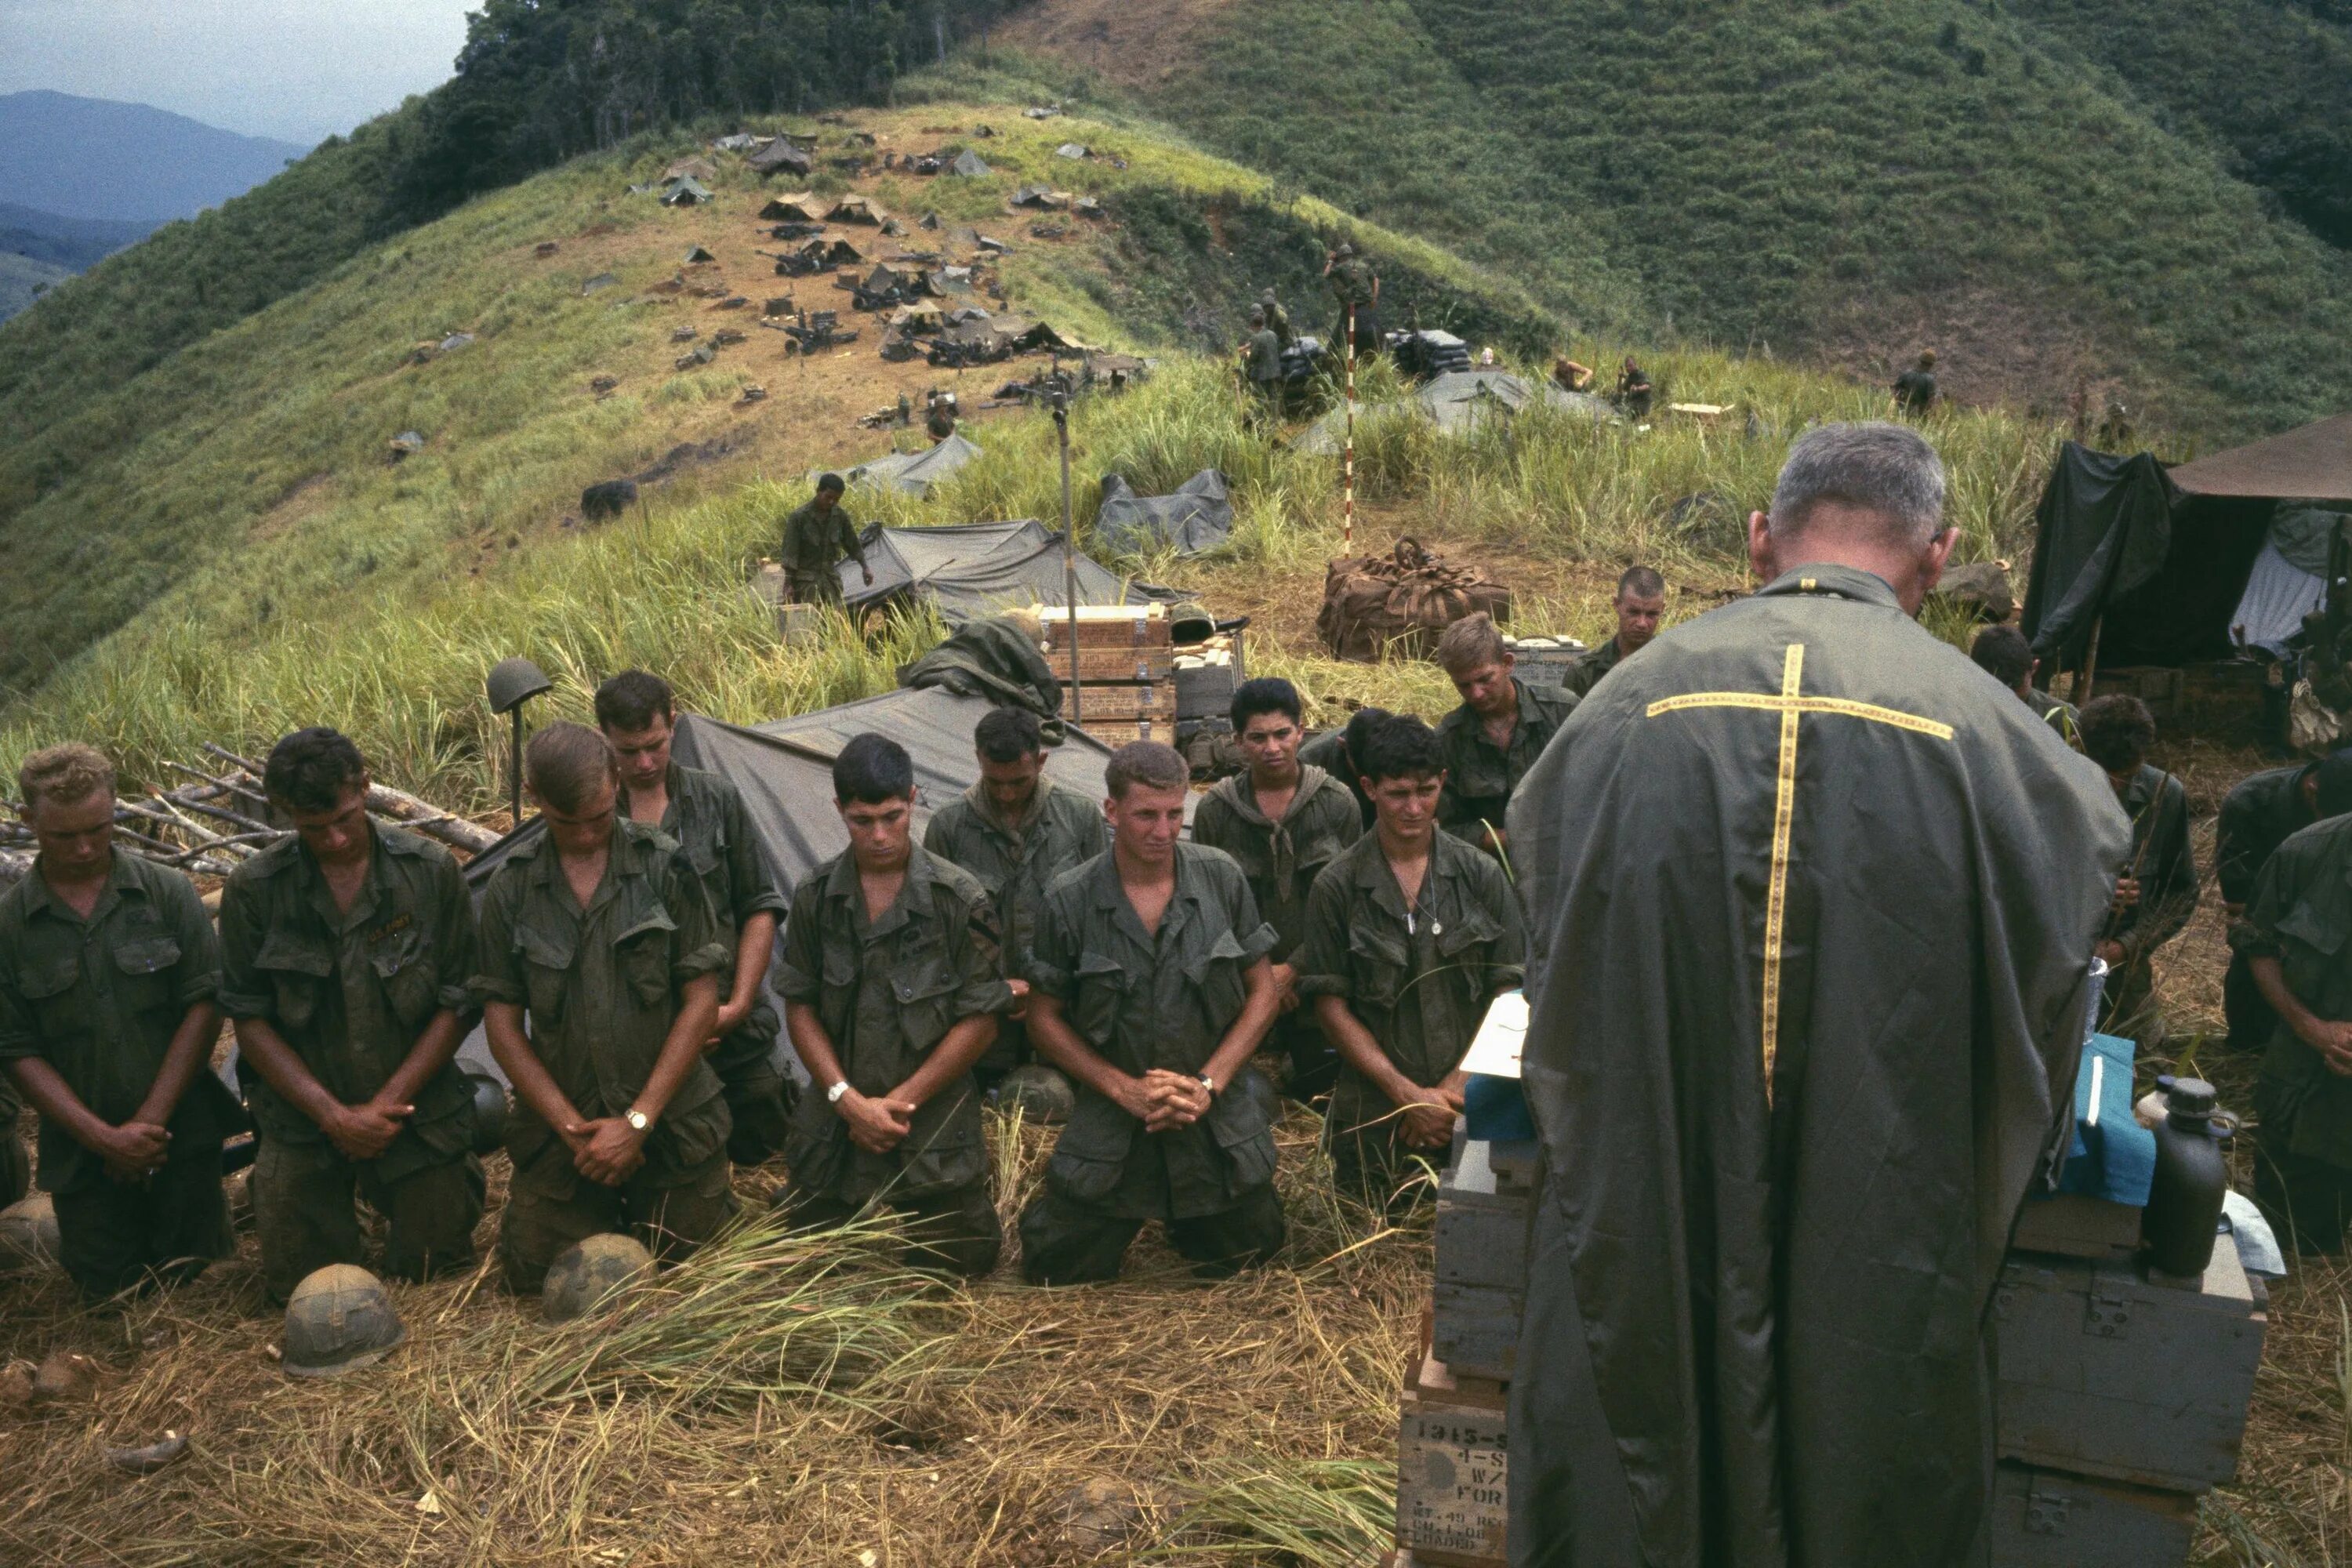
220, 819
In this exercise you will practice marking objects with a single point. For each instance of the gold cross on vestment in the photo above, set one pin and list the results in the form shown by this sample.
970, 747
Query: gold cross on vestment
1792, 705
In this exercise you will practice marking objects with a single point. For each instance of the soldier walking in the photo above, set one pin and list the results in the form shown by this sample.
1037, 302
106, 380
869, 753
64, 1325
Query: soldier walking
819, 536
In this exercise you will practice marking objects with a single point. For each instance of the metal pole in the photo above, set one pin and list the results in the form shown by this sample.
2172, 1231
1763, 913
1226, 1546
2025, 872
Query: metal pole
2090, 662
1348, 462
1069, 551
515, 783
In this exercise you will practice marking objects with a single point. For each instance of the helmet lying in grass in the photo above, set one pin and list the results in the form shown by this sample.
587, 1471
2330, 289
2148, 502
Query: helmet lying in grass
489, 1113
339, 1319
28, 1235
587, 1274
1039, 1092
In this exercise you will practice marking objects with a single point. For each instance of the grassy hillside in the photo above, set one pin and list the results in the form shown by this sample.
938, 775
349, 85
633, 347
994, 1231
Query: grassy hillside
1849, 180
24, 278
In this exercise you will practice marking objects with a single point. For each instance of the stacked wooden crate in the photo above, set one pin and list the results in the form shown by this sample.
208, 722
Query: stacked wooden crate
1127, 670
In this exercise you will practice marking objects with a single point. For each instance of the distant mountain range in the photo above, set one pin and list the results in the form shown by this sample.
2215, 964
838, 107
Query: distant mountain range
88, 158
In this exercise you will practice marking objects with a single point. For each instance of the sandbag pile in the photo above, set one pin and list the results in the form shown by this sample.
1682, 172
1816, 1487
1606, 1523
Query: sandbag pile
1377, 607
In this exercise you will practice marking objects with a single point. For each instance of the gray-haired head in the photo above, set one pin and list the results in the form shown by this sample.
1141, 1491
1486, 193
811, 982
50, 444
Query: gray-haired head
1883, 471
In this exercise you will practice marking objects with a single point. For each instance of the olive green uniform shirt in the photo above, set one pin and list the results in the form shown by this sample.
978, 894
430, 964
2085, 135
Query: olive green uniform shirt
1481, 775
1418, 980
1263, 360
350, 993
707, 817
600, 987
1329, 750
815, 544
1282, 858
1586, 672
1352, 281
2301, 915
1277, 321
1063, 829
2158, 808
100, 999
1142, 1000
887, 992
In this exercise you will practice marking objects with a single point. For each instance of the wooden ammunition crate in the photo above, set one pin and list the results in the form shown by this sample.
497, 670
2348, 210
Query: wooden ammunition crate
2047, 1519
1150, 662
1119, 731
2076, 1227
1206, 690
1482, 1223
2104, 1373
1102, 626
1128, 700
1453, 1475
1477, 1329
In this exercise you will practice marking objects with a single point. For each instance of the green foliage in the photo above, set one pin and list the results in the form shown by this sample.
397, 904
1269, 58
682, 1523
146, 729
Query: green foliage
1843, 178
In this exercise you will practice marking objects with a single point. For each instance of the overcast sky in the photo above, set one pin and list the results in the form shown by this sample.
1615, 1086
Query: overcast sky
297, 69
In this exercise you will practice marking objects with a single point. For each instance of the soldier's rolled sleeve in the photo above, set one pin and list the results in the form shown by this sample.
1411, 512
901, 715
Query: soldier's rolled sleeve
1257, 937
1052, 958
799, 977
980, 987
244, 993
498, 974
850, 547
700, 946
456, 940
1321, 959
197, 977
755, 891
2276, 892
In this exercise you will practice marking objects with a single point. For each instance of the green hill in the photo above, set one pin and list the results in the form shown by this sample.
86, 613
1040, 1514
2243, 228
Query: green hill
1844, 180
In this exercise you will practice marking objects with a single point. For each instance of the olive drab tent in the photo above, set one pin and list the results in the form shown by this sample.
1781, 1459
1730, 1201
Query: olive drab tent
1197, 517
970, 570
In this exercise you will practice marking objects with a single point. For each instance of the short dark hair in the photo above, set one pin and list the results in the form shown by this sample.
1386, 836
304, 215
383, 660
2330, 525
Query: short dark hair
310, 769
1145, 763
633, 700
872, 769
2003, 653
1007, 735
830, 482
565, 763
1266, 694
1361, 725
2117, 731
1642, 583
1401, 746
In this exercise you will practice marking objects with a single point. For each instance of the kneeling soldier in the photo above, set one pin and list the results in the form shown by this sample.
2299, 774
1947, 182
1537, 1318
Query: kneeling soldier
1150, 988
346, 949
1410, 935
107, 971
891, 991
602, 930
704, 812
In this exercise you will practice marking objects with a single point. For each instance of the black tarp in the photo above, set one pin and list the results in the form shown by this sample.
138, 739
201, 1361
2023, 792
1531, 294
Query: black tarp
972, 570
2118, 546
1197, 517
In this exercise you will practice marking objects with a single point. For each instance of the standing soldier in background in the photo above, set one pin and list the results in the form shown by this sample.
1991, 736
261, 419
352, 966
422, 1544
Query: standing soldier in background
2156, 892
1355, 285
1151, 989
1282, 821
2260, 814
1017, 831
1915, 389
819, 536
1495, 736
108, 974
1262, 364
601, 929
892, 984
1410, 935
1277, 318
1641, 604
346, 948
705, 813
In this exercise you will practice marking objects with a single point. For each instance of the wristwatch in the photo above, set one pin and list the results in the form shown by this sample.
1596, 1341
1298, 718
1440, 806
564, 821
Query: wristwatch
637, 1119
1210, 1084
833, 1096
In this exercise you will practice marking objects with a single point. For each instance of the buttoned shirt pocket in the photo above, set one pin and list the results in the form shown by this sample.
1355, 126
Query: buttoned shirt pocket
1239, 1124
644, 954
943, 1149
1376, 961
1216, 978
1090, 1157
1466, 946
1100, 983
298, 968
146, 963
405, 967
925, 986
46, 982
547, 963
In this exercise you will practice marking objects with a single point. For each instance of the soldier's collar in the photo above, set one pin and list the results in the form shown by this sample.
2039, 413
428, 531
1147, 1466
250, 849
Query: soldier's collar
1830, 579
120, 880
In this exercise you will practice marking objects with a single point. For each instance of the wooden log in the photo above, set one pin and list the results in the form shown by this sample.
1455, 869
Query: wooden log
400, 807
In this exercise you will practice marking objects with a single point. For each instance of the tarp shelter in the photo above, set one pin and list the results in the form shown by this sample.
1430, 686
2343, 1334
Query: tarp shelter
971, 164
1198, 517
1456, 402
2168, 566
970, 570
781, 156
684, 193
690, 169
799, 207
916, 472
853, 209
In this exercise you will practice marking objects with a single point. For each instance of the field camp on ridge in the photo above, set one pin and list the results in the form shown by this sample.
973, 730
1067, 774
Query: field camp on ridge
759, 373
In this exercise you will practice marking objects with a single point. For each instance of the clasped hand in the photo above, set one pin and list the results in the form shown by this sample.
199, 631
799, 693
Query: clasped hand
1163, 1100
607, 1149
876, 1125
